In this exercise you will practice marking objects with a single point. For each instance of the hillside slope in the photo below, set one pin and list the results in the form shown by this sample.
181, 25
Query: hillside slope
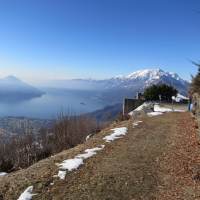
156, 159
12, 89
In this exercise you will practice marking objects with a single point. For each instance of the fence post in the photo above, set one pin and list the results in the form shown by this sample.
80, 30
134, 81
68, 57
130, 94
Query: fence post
123, 109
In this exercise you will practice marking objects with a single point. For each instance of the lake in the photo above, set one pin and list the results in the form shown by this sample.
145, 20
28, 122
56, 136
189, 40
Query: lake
53, 102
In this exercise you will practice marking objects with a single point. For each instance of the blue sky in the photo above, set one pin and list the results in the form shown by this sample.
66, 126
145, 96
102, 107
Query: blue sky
53, 39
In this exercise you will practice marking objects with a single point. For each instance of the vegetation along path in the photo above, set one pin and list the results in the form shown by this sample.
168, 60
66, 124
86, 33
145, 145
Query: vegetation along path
157, 159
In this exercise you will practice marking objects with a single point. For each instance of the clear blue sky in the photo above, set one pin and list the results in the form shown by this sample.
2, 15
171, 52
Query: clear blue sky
46, 39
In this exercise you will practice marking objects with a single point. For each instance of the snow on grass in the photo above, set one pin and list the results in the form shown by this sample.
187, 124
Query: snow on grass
151, 114
136, 123
182, 97
71, 164
75, 163
178, 110
144, 105
88, 137
179, 98
90, 152
61, 174
3, 173
140, 108
27, 194
157, 108
118, 132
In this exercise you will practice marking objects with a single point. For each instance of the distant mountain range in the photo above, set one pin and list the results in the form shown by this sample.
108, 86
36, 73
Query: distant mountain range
113, 90
144, 78
13, 89
110, 91
107, 92
136, 80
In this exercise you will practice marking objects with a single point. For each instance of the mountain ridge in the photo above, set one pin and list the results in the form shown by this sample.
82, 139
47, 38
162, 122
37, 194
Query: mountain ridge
146, 76
12, 88
115, 89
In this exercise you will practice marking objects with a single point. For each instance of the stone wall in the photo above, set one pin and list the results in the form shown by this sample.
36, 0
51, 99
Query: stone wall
196, 104
196, 107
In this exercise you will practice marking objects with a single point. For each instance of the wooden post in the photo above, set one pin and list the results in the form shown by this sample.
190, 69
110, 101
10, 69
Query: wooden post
123, 108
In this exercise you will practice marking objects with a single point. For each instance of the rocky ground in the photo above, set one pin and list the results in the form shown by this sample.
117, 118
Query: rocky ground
158, 159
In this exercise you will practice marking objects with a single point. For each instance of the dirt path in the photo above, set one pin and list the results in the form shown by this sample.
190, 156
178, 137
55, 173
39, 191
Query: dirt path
158, 159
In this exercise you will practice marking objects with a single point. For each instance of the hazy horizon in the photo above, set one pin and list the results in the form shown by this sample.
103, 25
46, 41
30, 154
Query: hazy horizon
57, 39
45, 81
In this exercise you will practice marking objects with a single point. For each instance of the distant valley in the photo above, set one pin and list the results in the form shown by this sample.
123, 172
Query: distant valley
79, 96
21, 125
113, 90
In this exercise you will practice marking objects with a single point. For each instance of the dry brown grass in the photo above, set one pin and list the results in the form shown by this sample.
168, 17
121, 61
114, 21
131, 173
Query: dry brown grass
159, 159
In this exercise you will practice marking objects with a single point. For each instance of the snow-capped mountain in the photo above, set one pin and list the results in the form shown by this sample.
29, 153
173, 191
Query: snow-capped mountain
113, 90
142, 79
138, 80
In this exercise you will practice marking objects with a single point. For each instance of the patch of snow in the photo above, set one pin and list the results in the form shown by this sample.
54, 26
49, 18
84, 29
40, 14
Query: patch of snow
88, 137
174, 75
131, 113
136, 123
61, 174
118, 132
3, 173
160, 110
144, 105
151, 114
27, 194
182, 97
90, 152
179, 98
150, 73
149, 76
72, 164
178, 110
157, 108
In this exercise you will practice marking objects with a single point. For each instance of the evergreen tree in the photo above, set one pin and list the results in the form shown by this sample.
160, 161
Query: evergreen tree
195, 85
164, 91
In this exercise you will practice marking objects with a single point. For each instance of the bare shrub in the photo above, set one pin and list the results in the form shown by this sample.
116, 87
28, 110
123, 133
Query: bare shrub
21, 151
122, 117
195, 85
69, 131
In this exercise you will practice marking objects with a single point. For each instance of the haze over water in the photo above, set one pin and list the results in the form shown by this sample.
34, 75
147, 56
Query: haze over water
51, 104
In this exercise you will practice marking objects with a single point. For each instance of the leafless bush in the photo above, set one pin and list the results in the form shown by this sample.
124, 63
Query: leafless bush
69, 131
122, 117
195, 85
21, 151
